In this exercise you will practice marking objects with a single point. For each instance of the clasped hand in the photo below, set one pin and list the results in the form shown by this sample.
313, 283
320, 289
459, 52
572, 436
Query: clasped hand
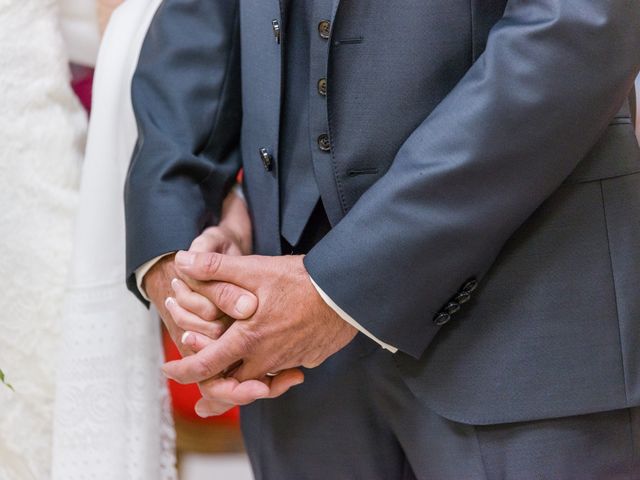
285, 325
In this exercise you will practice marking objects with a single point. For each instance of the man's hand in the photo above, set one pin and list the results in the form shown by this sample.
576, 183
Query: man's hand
232, 237
220, 393
292, 326
204, 321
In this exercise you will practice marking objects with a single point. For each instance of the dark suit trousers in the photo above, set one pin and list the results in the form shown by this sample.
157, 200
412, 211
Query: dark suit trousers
355, 418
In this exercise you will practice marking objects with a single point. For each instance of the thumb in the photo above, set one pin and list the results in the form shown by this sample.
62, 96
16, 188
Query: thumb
244, 271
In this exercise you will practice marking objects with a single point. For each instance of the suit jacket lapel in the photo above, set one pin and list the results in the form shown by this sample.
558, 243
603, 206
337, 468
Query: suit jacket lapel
336, 4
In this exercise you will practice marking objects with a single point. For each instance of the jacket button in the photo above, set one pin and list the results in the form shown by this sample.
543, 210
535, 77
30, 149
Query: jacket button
452, 307
323, 142
324, 29
267, 159
441, 318
470, 286
462, 297
322, 86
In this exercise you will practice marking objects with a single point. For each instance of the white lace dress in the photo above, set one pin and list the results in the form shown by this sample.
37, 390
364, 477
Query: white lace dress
100, 351
42, 133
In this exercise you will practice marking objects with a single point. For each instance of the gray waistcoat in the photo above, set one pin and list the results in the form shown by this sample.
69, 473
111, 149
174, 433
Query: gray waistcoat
298, 187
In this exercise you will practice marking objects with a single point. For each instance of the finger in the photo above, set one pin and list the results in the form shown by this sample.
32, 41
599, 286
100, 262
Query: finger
282, 382
260, 367
188, 321
220, 395
194, 302
209, 241
211, 408
254, 369
244, 271
175, 332
234, 301
218, 239
212, 359
230, 390
195, 341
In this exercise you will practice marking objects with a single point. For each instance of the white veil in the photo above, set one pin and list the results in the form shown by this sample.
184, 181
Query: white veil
112, 417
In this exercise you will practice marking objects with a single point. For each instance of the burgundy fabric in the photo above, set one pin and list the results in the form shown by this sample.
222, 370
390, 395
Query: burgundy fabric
82, 82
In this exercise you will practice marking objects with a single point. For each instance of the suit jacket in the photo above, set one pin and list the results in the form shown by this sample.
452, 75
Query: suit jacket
483, 182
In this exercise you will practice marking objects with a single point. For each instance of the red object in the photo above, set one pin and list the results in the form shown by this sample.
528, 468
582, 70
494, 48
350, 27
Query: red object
184, 397
82, 83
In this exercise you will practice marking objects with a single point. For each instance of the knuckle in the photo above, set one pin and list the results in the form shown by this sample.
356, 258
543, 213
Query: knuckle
225, 294
203, 369
313, 362
209, 312
212, 263
215, 331
273, 364
249, 341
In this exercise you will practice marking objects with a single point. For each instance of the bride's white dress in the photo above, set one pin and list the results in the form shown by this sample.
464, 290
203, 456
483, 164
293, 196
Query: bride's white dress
42, 133
69, 330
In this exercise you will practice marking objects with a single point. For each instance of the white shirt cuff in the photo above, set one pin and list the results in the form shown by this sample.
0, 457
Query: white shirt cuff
144, 269
347, 318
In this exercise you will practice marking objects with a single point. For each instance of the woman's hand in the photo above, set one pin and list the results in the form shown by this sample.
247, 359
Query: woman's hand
231, 237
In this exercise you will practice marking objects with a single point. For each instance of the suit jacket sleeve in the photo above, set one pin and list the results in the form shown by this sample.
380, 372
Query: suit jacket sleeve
186, 99
553, 75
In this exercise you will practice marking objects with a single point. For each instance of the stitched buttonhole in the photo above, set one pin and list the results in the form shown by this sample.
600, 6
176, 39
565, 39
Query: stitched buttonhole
362, 171
349, 41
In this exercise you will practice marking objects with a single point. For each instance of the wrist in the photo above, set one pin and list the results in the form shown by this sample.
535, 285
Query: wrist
158, 277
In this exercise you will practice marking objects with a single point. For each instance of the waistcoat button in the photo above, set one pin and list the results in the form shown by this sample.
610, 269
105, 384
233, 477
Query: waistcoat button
323, 142
324, 29
322, 86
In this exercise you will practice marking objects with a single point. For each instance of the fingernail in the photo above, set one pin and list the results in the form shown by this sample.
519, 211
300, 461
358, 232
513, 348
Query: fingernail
185, 337
200, 411
174, 283
243, 305
169, 301
184, 259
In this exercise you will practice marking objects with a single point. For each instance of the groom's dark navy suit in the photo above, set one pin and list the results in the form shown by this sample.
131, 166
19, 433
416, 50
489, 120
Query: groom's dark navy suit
477, 168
